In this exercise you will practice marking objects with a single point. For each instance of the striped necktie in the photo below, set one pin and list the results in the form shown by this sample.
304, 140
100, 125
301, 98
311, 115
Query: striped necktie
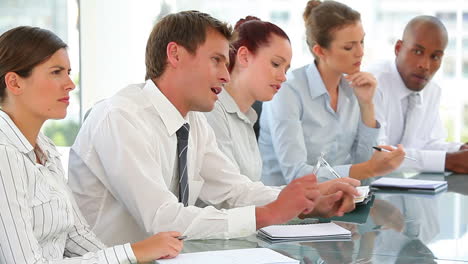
182, 145
412, 119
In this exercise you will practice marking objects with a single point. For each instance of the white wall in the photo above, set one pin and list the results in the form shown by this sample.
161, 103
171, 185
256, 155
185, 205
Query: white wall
113, 41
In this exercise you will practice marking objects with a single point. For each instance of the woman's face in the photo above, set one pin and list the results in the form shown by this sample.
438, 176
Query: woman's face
267, 68
344, 55
45, 93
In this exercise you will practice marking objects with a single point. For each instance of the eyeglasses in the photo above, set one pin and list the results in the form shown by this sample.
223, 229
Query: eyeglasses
321, 162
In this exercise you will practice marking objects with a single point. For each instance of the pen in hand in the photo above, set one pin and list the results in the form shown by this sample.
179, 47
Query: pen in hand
385, 150
181, 237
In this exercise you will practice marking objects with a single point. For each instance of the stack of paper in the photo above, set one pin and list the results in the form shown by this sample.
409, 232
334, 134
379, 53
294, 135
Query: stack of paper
363, 193
235, 256
416, 185
311, 232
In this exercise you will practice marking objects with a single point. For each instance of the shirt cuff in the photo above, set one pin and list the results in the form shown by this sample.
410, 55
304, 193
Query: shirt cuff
122, 254
433, 160
242, 221
306, 169
454, 146
129, 251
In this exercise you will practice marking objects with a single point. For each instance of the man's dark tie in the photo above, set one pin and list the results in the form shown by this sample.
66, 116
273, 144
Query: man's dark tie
182, 144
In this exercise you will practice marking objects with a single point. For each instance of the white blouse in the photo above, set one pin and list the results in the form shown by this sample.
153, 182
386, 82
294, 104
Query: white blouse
39, 221
235, 135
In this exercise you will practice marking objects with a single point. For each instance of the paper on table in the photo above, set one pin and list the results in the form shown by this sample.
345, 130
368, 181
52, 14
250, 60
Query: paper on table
408, 183
235, 256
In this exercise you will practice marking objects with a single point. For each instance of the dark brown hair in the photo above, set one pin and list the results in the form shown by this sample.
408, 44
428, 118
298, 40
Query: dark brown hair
252, 33
187, 28
22, 48
322, 19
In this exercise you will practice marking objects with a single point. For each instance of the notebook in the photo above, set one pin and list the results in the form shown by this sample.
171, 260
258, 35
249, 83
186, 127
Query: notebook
416, 185
309, 232
234, 256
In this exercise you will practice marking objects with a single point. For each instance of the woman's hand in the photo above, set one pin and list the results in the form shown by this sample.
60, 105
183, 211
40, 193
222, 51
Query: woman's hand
161, 245
380, 163
364, 85
385, 162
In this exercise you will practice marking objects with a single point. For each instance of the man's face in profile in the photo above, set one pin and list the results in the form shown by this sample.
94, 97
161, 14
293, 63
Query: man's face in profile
206, 72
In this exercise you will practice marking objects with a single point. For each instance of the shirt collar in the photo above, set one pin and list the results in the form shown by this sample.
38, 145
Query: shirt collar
171, 117
317, 87
13, 134
19, 141
47, 146
231, 107
314, 81
401, 90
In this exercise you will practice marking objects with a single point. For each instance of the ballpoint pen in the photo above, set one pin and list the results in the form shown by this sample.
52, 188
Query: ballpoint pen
386, 150
181, 237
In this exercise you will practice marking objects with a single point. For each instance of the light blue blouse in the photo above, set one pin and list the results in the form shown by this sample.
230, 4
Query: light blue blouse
299, 124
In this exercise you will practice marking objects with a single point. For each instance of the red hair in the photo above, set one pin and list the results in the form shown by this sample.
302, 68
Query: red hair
252, 33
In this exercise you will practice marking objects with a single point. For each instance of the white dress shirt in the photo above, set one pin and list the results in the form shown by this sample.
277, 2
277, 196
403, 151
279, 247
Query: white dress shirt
299, 124
428, 145
235, 135
39, 220
123, 172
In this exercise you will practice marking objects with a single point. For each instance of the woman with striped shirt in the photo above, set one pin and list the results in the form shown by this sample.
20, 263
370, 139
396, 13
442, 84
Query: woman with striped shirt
39, 219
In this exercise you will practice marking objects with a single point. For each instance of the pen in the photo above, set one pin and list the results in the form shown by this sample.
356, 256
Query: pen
181, 237
385, 150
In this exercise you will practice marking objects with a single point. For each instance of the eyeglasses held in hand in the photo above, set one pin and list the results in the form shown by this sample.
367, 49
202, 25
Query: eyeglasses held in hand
321, 162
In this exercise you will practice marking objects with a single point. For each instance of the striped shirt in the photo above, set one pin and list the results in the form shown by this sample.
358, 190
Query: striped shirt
39, 221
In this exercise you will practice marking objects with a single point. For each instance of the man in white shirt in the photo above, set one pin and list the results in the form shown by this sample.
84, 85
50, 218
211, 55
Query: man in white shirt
407, 101
143, 157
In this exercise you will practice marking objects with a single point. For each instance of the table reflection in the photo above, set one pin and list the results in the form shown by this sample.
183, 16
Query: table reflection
394, 228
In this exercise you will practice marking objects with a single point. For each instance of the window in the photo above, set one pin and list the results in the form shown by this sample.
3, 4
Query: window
104, 36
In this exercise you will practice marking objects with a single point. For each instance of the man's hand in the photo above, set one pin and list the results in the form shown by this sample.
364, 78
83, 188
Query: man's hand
464, 146
337, 197
328, 187
298, 197
457, 161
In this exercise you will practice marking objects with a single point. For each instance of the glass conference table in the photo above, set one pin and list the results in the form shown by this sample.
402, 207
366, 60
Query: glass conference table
392, 228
